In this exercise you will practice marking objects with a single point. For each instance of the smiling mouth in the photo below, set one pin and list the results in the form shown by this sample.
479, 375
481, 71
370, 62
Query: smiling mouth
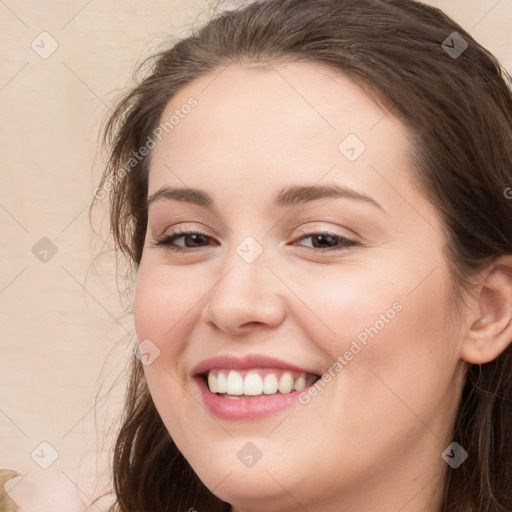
240, 384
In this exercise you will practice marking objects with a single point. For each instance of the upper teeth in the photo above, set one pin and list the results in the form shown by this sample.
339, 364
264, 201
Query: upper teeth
252, 383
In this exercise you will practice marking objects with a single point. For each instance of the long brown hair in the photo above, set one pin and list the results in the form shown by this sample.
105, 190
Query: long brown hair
457, 104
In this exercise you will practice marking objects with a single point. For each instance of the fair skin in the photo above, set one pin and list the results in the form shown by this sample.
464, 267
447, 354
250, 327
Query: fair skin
372, 439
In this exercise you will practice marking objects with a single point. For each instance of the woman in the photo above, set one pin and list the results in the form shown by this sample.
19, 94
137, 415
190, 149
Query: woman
314, 197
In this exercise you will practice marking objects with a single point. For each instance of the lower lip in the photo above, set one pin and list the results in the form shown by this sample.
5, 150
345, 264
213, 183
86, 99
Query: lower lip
240, 409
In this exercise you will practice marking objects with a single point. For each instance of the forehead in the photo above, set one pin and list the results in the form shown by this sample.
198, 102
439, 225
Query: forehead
276, 123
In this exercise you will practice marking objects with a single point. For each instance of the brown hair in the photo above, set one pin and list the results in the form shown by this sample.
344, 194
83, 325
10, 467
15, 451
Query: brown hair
458, 109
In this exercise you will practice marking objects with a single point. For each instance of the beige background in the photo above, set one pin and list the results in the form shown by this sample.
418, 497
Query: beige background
60, 319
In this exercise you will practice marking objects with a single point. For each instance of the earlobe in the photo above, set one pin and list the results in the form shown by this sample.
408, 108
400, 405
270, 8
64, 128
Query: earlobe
490, 333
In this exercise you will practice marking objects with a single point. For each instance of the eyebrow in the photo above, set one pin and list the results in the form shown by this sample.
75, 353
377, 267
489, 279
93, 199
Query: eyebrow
289, 196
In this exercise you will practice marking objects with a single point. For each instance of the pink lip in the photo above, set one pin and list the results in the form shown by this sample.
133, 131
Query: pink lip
245, 363
246, 408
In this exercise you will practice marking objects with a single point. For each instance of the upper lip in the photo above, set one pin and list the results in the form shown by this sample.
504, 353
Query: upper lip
245, 363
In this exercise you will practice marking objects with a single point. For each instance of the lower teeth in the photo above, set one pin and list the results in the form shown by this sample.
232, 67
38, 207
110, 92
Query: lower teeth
235, 397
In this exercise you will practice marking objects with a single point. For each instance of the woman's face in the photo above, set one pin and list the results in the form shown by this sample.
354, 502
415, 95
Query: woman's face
310, 254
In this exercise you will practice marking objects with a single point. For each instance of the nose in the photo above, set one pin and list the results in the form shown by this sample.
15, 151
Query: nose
246, 295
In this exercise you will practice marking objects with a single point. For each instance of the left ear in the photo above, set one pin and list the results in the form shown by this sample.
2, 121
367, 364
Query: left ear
490, 332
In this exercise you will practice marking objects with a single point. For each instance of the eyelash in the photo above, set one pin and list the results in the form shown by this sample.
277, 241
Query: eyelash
343, 242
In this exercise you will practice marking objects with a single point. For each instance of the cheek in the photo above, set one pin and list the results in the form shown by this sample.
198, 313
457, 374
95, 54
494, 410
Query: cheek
392, 323
398, 350
406, 367
351, 302
400, 296
162, 306
163, 298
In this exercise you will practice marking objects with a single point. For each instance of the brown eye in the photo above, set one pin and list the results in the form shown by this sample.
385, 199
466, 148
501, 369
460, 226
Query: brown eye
194, 239
327, 241
189, 240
